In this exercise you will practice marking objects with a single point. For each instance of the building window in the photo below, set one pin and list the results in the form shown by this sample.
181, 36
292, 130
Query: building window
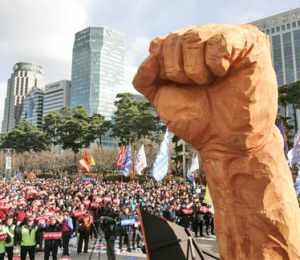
297, 51
22, 85
283, 27
294, 24
273, 30
288, 26
277, 28
278, 65
26, 86
288, 58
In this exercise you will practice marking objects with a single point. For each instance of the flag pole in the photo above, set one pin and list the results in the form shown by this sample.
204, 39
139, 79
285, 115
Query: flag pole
133, 163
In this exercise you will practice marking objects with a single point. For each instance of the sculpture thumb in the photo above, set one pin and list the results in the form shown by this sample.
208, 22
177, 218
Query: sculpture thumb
146, 77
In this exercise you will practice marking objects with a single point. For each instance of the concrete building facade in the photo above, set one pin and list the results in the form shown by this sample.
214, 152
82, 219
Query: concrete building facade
24, 77
57, 96
284, 33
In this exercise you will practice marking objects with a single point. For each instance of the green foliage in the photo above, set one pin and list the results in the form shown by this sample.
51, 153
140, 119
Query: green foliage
24, 138
72, 129
52, 122
290, 94
98, 127
133, 119
177, 154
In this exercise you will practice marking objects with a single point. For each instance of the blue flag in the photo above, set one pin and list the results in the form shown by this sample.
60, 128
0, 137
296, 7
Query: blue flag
281, 127
295, 160
297, 185
127, 161
161, 163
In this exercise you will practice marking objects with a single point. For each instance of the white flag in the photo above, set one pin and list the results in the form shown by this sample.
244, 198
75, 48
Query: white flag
290, 156
141, 162
161, 164
191, 171
195, 165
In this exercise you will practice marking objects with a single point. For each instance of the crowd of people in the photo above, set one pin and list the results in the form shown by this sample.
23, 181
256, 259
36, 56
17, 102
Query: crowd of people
44, 214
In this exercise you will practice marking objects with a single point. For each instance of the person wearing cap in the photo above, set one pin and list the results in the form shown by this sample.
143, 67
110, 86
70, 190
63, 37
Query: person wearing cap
67, 230
197, 219
9, 245
27, 234
4, 238
84, 229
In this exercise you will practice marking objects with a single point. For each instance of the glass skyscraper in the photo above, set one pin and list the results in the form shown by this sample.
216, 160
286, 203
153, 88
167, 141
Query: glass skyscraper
284, 33
33, 107
97, 69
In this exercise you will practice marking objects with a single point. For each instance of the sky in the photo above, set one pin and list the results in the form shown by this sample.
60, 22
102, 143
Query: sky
42, 31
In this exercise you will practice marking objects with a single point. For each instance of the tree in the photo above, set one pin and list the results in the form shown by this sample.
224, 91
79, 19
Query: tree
98, 127
289, 95
25, 138
52, 122
73, 129
133, 119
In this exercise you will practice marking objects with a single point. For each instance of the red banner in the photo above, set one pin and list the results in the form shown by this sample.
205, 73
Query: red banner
187, 211
52, 235
78, 214
107, 199
116, 201
204, 209
94, 205
98, 200
3, 236
5, 207
65, 258
40, 218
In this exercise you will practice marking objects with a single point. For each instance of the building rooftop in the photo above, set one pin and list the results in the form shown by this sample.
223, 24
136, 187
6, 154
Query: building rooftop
28, 66
280, 18
97, 28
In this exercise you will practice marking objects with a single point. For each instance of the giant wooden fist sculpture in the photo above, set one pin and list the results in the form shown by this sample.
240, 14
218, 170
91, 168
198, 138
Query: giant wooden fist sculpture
215, 87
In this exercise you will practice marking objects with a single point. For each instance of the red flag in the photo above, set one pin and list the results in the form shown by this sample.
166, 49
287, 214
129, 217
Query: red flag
86, 162
121, 156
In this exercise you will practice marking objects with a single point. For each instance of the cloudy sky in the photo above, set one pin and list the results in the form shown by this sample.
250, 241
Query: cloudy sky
42, 31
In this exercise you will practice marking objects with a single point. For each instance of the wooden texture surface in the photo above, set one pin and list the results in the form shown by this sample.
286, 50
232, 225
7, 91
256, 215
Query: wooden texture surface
215, 87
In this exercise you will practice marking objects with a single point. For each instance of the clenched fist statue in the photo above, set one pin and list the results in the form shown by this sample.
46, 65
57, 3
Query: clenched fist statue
215, 87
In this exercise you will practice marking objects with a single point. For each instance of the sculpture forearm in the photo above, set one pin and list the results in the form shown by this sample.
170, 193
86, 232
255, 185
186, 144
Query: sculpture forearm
257, 215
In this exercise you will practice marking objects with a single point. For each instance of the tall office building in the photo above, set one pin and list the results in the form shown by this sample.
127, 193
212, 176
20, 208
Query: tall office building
284, 33
33, 107
57, 96
97, 69
25, 76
